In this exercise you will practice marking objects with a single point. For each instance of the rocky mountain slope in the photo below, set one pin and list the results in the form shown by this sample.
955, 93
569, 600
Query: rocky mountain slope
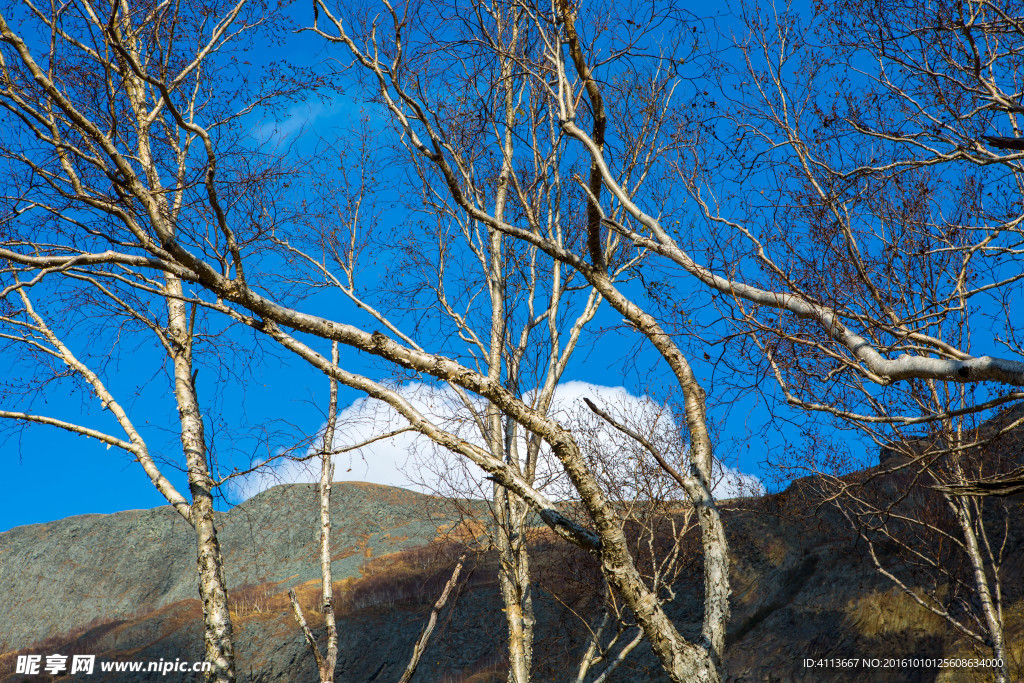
122, 587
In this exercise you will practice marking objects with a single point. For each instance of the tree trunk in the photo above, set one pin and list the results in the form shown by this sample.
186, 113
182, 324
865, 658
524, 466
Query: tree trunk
330, 658
220, 651
514, 581
684, 661
991, 611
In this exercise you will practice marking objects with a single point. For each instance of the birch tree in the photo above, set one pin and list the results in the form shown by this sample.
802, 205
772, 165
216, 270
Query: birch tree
106, 107
874, 274
437, 127
506, 311
941, 546
31, 332
93, 164
325, 660
889, 230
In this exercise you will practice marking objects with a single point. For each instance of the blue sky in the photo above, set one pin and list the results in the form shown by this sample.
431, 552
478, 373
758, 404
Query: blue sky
51, 474
255, 412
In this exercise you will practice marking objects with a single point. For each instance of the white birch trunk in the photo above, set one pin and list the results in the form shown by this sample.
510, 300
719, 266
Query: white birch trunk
220, 651
990, 610
514, 582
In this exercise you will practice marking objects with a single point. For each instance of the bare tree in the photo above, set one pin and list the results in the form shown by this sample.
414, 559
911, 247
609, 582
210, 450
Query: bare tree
327, 660
861, 276
637, 455
28, 332
872, 274
517, 318
96, 167
106, 107
439, 140
889, 231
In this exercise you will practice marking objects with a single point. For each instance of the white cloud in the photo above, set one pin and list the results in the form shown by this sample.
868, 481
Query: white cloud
302, 117
298, 118
410, 460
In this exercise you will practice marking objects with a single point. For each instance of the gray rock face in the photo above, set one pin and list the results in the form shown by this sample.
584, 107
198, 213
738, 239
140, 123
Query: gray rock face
64, 574
60, 576
122, 587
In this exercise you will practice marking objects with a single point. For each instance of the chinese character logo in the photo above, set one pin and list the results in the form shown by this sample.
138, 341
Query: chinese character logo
82, 663
28, 664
